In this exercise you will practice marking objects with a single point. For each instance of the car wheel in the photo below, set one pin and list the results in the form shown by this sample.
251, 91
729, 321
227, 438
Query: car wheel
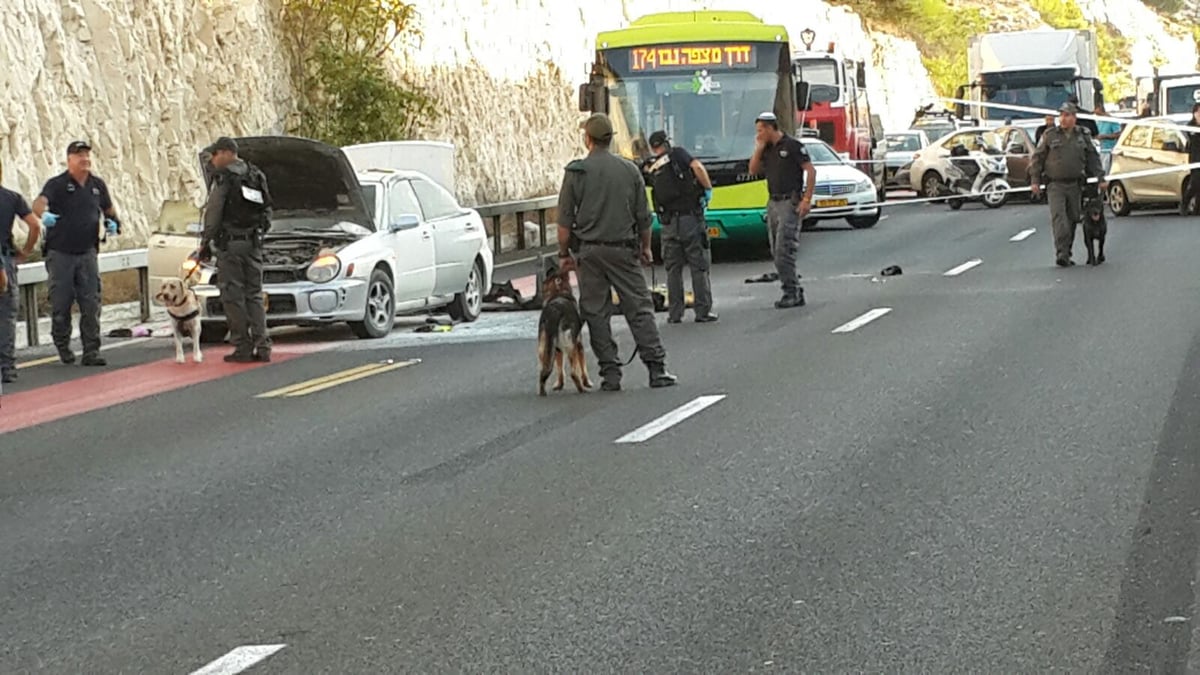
931, 184
212, 332
808, 224
1118, 200
380, 313
864, 222
468, 305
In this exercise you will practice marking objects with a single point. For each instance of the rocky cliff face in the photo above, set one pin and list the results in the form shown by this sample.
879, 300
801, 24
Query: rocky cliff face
148, 82
151, 81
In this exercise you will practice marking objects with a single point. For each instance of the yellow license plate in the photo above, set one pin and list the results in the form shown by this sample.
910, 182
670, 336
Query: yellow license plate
826, 203
714, 233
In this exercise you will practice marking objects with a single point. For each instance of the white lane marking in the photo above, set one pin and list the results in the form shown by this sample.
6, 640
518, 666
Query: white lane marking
863, 320
238, 659
657, 426
955, 271
1023, 234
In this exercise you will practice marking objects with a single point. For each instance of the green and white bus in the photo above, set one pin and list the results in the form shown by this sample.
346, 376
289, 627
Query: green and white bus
703, 77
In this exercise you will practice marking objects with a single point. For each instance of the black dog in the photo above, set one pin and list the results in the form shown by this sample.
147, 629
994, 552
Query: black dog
1095, 225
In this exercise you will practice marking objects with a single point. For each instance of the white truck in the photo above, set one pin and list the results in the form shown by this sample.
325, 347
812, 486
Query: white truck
1170, 96
1032, 69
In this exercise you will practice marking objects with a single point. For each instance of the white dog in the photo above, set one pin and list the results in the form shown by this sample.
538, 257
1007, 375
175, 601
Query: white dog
184, 308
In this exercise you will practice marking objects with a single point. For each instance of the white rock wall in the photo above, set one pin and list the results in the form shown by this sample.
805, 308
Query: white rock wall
148, 82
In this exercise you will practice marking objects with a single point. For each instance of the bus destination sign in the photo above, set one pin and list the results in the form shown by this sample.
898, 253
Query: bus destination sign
690, 57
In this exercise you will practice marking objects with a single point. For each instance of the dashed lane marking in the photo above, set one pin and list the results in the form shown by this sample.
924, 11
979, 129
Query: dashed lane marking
1023, 235
238, 659
855, 324
955, 271
661, 424
335, 379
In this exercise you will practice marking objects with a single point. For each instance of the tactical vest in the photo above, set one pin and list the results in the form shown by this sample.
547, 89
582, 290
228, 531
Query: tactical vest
674, 188
246, 202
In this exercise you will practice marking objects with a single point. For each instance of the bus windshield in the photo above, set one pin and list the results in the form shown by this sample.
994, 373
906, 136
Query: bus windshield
1181, 98
709, 111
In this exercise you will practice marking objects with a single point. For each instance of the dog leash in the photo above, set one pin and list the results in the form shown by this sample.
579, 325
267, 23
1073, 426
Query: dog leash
653, 283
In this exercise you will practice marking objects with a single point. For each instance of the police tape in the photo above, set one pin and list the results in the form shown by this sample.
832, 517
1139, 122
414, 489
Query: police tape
1046, 112
849, 209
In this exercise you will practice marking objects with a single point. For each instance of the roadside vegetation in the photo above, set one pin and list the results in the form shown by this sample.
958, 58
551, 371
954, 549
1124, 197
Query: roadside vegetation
340, 58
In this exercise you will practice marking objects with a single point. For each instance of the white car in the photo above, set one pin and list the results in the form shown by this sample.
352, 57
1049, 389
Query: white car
902, 147
841, 191
354, 247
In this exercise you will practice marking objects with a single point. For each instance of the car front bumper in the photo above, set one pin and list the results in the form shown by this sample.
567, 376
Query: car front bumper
298, 302
844, 206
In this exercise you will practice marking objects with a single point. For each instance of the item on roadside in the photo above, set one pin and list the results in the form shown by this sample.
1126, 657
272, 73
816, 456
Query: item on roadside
891, 271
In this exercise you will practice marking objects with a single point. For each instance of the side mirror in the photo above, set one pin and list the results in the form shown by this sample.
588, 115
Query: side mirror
802, 96
860, 75
585, 98
1016, 148
960, 110
405, 221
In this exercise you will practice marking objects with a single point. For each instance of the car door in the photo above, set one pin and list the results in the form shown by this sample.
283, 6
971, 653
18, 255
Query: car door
453, 230
1018, 151
413, 244
1133, 154
176, 236
1167, 151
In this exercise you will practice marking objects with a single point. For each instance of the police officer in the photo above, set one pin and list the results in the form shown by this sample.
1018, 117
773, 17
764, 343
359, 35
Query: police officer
1064, 159
681, 190
790, 181
12, 206
71, 206
236, 217
603, 218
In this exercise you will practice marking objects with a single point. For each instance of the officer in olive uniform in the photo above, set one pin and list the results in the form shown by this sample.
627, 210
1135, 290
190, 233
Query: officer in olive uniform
604, 219
1064, 159
791, 179
236, 217
681, 190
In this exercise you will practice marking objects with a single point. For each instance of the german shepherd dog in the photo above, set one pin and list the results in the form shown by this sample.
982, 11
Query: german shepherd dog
1095, 225
560, 332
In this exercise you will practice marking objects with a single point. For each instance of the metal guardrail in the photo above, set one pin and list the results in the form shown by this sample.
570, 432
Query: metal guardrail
32, 275
520, 208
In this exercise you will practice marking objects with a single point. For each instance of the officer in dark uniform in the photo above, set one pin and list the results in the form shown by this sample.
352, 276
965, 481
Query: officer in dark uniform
236, 217
603, 218
12, 206
791, 178
1064, 159
681, 190
71, 207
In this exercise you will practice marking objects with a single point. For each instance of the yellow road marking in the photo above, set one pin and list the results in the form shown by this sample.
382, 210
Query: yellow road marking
37, 362
54, 359
329, 381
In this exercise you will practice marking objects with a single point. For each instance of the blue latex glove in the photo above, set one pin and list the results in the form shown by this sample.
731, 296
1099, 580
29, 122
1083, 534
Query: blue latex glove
110, 226
49, 219
707, 197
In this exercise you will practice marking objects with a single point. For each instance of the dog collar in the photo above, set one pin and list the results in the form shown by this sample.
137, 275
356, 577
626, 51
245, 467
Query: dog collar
191, 315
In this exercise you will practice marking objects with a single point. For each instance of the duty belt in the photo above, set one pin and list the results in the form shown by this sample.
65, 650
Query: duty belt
783, 196
1066, 180
244, 236
619, 243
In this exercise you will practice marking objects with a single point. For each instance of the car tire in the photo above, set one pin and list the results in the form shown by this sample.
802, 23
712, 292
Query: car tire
468, 305
808, 224
865, 222
379, 315
1118, 199
213, 332
931, 186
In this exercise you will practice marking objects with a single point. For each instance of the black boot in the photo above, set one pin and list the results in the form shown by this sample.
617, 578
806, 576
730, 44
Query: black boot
659, 377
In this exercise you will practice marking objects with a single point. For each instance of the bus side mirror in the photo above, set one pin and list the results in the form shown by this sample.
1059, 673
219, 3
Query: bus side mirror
860, 76
585, 98
801, 96
960, 110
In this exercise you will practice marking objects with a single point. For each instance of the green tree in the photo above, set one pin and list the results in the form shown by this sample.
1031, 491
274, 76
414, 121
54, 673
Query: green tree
339, 52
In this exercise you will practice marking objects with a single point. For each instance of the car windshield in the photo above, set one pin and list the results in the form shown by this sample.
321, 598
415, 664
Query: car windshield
903, 143
369, 191
820, 153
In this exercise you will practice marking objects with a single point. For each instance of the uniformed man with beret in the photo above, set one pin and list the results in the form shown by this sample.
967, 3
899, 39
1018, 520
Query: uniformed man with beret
604, 235
1064, 159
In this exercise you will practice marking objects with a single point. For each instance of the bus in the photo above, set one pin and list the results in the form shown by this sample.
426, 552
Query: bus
702, 77
833, 100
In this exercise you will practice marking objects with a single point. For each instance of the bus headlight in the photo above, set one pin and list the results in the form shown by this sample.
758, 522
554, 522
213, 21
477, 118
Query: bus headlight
324, 268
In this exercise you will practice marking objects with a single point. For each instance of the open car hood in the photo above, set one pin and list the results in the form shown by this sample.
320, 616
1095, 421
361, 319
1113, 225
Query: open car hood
307, 179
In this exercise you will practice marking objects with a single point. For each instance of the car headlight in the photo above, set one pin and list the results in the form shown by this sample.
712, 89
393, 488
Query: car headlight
864, 185
325, 268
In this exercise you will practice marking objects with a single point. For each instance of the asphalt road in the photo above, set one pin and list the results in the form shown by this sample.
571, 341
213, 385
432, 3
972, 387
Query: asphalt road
1001, 473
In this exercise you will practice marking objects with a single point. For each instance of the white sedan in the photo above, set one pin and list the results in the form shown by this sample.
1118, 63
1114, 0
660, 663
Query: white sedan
841, 191
355, 247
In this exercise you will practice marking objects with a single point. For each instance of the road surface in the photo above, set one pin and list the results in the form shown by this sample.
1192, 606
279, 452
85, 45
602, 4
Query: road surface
987, 463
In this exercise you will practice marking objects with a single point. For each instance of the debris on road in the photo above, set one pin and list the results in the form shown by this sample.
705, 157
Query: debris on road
891, 271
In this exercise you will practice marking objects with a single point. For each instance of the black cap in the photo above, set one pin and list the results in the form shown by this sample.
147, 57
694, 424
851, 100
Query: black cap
78, 146
222, 143
658, 139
